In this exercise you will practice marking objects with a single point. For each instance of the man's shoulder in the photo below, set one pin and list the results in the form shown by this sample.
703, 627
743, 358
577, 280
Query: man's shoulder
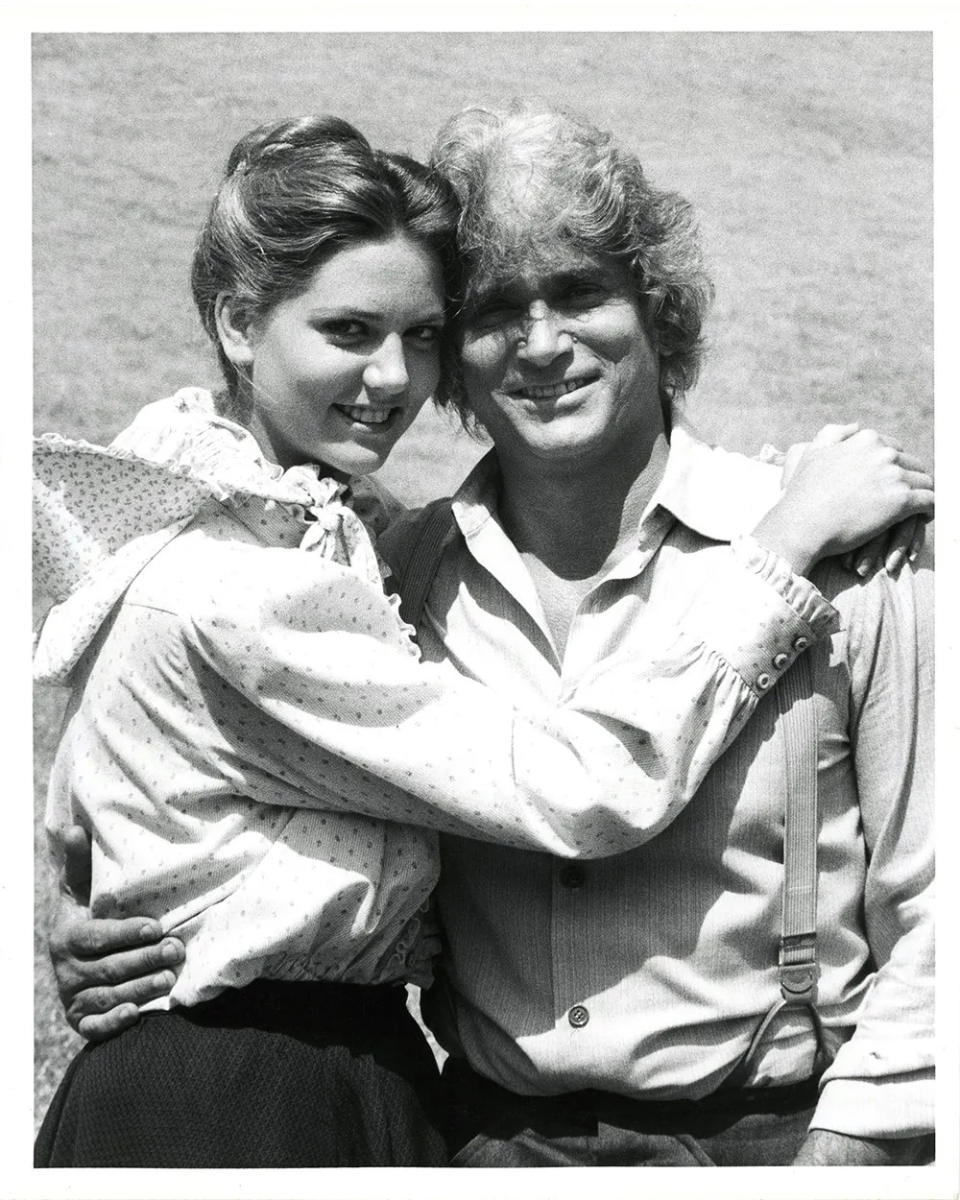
398, 543
882, 605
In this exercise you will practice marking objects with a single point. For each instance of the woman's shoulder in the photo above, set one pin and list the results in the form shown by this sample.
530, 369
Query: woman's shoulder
192, 561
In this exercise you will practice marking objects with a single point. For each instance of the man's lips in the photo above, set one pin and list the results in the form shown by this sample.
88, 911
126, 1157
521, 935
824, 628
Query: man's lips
551, 391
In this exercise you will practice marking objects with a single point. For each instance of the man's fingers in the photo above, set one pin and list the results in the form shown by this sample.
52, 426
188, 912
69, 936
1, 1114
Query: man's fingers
99, 1028
94, 938
115, 969
75, 873
96, 1001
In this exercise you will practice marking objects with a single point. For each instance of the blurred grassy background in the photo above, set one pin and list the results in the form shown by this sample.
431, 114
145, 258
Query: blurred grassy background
808, 157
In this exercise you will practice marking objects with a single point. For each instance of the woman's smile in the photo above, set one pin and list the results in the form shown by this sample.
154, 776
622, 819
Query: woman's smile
336, 373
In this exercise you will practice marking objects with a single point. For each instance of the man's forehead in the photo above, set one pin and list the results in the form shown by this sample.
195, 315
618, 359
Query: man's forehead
543, 267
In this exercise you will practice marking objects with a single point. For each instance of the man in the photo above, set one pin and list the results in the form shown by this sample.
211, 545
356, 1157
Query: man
615, 1011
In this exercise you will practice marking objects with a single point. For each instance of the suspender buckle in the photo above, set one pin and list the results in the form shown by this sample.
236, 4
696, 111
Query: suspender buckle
799, 970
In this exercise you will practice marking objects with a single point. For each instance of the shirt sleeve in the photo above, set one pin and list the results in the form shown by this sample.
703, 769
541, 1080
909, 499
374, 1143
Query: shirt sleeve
881, 1082
323, 653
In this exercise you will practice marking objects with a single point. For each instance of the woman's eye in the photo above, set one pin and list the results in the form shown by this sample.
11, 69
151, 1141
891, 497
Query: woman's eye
345, 330
424, 335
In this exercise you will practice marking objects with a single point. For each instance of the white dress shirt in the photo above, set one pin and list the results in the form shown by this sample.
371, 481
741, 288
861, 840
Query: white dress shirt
646, 973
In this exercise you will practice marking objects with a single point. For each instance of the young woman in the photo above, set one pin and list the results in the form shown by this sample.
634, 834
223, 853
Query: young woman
251, 740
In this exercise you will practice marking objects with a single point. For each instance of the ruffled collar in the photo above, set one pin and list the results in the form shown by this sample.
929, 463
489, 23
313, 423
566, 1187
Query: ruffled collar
102, 513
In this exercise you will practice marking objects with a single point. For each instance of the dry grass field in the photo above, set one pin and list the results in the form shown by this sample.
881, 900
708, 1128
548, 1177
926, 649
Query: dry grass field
808, 157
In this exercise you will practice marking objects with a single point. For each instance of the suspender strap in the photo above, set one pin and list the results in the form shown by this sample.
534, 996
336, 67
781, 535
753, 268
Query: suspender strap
798, 968
416, 576
798, 927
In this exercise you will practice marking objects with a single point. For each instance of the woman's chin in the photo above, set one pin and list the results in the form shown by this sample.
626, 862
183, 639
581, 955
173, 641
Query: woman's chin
344, 462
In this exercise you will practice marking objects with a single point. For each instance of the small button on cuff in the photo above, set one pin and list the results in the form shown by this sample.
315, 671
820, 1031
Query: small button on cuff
578, 1016
780, 661
801, 643
763, 681
572, 877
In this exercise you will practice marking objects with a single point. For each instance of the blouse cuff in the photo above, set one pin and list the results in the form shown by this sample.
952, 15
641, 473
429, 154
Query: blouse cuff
759, 615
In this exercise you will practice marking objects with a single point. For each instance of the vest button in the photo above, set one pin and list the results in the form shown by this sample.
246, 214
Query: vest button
578, 1016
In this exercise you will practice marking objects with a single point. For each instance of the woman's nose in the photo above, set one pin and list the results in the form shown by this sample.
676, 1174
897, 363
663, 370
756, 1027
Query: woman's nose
386, 371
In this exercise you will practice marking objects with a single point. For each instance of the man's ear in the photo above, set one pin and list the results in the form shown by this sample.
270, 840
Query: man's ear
235, 330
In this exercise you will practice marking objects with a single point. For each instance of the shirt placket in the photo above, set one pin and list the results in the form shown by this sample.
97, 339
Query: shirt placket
579, 908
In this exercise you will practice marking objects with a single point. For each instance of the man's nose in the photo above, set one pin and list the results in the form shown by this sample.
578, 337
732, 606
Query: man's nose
386, 370
544, 337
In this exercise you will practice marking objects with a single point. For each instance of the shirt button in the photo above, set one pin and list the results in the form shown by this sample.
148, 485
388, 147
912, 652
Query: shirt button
572, 877
578, 1016
780, 661
801, 643
763, 681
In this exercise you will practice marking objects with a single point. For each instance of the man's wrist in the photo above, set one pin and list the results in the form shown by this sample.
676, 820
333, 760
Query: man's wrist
824, 1148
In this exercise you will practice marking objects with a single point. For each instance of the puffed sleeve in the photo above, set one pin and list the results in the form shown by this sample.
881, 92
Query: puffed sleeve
324, 654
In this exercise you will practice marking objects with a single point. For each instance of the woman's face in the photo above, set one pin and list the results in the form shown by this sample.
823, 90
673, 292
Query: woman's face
337, 373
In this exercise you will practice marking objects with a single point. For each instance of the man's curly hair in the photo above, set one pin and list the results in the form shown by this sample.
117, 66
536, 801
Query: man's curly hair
531, 178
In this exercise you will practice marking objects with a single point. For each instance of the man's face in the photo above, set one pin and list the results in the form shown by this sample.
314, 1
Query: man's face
557, 363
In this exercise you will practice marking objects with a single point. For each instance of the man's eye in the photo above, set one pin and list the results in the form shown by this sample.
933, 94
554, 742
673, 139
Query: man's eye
493, 312
579, 296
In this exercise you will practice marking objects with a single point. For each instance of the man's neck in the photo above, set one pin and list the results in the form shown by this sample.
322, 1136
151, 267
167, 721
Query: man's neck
572, 528
579, 522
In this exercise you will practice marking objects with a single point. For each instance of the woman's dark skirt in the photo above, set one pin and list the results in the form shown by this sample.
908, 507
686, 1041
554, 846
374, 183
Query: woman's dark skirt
271, 1075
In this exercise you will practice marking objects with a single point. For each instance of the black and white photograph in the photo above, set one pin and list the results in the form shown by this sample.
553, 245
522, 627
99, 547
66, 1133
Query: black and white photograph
483, 612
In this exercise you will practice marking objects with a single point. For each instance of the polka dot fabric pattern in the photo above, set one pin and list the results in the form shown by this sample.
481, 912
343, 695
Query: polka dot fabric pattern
101, 514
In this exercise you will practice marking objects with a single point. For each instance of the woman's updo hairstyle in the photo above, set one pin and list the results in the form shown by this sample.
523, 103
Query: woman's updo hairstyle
294, 193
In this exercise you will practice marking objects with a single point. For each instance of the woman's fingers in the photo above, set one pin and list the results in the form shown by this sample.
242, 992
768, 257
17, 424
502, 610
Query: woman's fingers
900, 542
910, 462
829, 435
866, 558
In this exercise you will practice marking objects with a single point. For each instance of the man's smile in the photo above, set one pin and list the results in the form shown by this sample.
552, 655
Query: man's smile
552, 391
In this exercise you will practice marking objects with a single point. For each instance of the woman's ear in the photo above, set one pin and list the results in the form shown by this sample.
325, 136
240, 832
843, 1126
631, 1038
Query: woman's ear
235, 330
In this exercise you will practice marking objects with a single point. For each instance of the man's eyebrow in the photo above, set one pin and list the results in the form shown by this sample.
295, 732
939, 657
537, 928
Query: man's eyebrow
353, 312
550, 281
